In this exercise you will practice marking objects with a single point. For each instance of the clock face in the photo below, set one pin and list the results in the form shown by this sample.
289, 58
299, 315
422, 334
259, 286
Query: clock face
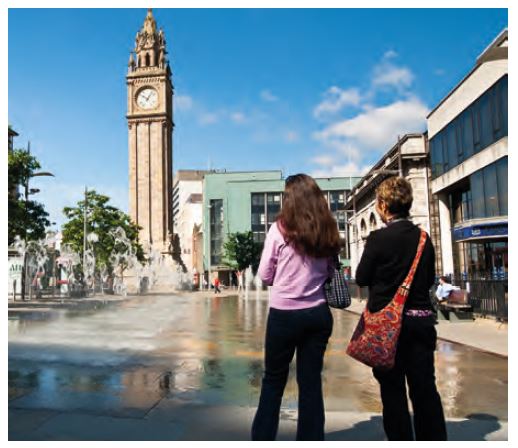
147, 98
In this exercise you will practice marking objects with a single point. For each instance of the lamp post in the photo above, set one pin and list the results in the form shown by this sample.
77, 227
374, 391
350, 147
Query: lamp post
28, 191
209, 255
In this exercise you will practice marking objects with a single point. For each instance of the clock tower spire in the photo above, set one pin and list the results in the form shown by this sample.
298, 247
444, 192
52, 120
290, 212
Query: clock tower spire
150, 142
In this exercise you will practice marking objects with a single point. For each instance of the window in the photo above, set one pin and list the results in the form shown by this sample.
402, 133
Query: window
486, 120
216, 230
436, 155
503, 104
467, 133
451, 141
501, 174
480, 125
273, 207
372, 222
477, 194
491, 190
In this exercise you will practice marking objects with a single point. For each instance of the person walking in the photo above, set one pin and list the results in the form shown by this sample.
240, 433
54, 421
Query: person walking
385, 262
296, 261
216, 286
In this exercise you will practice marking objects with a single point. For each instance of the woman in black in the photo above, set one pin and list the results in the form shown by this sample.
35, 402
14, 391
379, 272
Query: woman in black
385, 262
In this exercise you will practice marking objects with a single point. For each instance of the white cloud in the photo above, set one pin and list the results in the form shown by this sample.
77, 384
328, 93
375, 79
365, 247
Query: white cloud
208, 118
379, 127
324, 160
439, 71
183, 102
389, 75
348, 169
335, 99
291, 136
238, 117
389, 54
268, 96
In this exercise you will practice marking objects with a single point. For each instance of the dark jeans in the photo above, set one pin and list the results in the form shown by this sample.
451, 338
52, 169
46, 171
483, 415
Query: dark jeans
306, 331
415, 363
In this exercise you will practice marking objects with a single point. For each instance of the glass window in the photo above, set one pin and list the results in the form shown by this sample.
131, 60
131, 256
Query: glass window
503, 103
501, 174
467, 212
477, 194
496, 111
451, 140
486, 120
467, 133
491, 190
216, 230
436, 156
273, 207
477, 145
336, 200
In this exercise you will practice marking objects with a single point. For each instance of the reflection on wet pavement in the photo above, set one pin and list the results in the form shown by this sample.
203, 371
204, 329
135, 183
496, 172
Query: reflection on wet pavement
205, 351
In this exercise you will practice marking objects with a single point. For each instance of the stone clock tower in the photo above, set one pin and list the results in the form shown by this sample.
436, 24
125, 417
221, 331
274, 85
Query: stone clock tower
150, 132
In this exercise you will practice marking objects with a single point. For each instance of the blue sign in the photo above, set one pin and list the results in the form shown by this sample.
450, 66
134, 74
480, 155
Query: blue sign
477, 231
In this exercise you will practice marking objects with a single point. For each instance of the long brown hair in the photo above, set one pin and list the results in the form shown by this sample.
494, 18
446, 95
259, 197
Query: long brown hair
305, 219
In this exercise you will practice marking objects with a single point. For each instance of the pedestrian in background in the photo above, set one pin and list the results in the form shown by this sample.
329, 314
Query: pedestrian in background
296, 261
386, 260
216, 286
444, 289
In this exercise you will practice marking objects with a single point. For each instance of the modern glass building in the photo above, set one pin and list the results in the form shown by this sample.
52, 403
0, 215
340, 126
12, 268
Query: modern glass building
468, 141
250, 201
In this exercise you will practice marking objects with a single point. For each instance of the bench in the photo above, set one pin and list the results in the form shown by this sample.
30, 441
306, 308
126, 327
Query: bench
456, 308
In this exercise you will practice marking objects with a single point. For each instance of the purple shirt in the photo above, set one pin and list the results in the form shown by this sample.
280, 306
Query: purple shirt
297, 280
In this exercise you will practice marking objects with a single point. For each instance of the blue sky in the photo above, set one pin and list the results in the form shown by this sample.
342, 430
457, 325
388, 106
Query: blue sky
319, 91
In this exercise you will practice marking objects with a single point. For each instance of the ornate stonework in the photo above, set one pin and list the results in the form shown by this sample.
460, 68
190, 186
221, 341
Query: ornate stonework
150, 142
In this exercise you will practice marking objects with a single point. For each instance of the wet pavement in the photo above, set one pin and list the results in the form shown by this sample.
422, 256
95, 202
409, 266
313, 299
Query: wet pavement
155, 367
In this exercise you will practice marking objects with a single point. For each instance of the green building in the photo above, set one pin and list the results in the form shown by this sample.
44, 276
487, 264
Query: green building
250, 200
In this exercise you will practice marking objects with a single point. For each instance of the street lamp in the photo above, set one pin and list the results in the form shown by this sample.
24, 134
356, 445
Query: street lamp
209, 255
28, 191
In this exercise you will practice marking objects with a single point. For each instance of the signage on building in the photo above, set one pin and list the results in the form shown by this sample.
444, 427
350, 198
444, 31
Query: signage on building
478, 231
15, 267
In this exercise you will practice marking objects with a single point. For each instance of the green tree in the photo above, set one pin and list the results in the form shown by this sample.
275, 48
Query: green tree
103, 220
241, 251
26, 218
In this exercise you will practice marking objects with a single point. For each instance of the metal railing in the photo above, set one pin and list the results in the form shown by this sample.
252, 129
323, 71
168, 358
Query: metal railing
487, 297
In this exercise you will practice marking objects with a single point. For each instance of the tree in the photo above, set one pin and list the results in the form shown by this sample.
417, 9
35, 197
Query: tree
241, 251
104, 221
177, 252
26, 218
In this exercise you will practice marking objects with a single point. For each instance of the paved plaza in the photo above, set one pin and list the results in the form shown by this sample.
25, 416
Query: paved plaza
189, 366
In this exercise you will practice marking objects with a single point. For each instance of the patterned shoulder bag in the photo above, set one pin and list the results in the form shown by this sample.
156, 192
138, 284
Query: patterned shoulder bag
374, 342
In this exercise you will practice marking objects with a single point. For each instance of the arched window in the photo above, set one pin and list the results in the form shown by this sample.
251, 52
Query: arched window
147, 60
363, 229
372, 222
139, 62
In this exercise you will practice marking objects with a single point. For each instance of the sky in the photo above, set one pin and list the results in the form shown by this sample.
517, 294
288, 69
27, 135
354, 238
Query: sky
320, 91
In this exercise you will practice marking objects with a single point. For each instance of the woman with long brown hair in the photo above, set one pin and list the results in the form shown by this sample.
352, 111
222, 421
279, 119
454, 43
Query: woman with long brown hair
296, 261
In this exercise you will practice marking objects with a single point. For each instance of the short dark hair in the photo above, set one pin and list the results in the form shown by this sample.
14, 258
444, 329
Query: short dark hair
444, 279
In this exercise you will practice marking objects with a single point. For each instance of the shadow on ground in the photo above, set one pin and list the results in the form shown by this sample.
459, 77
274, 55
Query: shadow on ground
475, 427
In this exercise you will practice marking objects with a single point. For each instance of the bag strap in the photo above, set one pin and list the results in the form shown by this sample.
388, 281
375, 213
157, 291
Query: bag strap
404, 289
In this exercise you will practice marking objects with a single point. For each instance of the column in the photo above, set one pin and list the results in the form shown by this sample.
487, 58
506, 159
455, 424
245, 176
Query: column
446, 236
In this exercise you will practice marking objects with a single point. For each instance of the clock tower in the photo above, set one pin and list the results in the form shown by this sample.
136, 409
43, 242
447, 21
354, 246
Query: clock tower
150, 138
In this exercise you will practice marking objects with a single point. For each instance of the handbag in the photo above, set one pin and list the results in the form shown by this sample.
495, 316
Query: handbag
336, 289
374, 341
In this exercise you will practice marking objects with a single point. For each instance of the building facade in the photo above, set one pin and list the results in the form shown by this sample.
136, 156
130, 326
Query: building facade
468, 138
407, 158
187, 213
150, 138
250, 201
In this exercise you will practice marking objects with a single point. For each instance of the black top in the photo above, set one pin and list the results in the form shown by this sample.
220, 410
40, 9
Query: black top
386, 260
